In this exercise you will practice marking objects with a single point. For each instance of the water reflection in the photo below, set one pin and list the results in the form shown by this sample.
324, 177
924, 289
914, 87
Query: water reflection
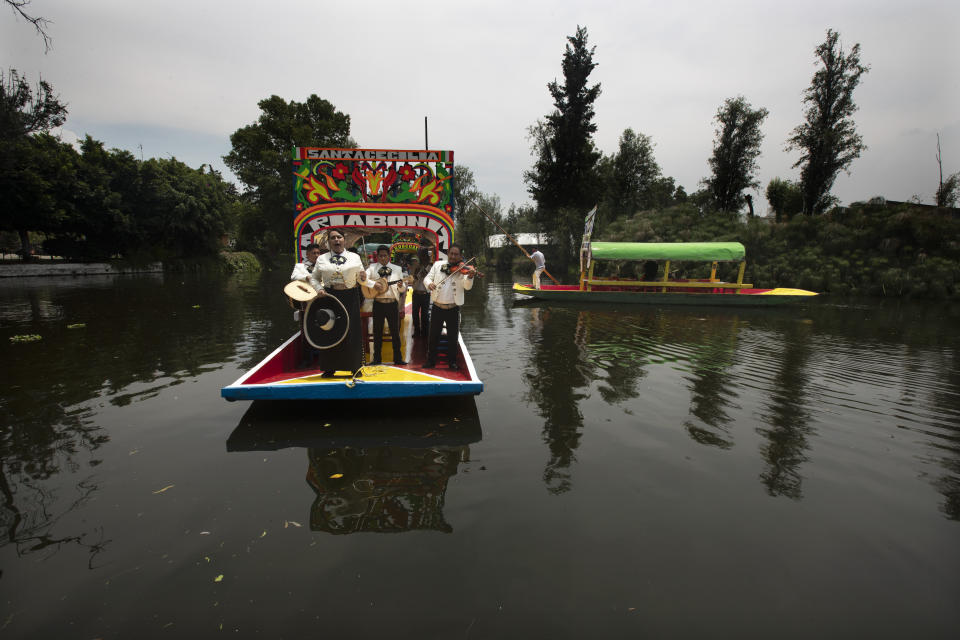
556, 376
788, 429
577, 346
104, 339
369, 473
802, 369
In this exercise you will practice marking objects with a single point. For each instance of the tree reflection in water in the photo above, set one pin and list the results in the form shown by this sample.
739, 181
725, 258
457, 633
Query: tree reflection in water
575, 347
787, 416
369, 474
42, 444
146, 332
558, 368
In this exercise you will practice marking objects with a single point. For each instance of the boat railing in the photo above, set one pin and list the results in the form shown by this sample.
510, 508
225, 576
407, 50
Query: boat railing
663, 285
588, 282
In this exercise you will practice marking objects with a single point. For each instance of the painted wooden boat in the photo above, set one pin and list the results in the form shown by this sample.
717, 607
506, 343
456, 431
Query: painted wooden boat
665, 290
672, 296
283, 376
403, 194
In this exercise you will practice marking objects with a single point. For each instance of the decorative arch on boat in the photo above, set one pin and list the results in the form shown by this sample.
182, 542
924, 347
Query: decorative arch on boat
369, 190
372, 217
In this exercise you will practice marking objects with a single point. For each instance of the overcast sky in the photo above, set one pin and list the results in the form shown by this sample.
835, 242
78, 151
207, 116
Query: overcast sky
178, 77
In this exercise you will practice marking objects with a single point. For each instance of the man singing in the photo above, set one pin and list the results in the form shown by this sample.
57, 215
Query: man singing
446, 284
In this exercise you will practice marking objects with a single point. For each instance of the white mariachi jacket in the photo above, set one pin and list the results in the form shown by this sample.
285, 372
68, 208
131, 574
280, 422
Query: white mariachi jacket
396, 273
332, 270
452, 288
301, 270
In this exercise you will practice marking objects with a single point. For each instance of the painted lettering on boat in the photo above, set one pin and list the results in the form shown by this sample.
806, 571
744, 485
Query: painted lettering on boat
376, 220
373, 154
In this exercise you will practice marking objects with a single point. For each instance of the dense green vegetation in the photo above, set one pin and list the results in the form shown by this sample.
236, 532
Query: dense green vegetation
93, 203
260, 158
867, 249
864, 249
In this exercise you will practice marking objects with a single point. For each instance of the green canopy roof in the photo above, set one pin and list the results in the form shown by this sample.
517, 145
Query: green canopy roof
702, 251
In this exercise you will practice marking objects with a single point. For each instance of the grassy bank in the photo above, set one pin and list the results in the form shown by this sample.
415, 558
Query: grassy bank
225, 262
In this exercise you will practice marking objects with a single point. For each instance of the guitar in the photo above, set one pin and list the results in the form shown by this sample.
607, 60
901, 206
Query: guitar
377, 290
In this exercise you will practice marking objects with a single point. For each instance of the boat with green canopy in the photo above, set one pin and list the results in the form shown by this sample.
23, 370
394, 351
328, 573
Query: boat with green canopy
657, 275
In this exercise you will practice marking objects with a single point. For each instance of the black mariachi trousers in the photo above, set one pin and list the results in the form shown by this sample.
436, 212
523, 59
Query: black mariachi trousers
390, 311
421, 313
439, 317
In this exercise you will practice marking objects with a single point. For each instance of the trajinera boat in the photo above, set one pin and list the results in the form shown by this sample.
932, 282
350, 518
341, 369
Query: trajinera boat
654, 282
405, 199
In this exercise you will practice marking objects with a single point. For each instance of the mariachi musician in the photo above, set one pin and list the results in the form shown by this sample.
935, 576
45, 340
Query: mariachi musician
386, 279
419, 268
302, 270
447, 281
301, 273
339, 273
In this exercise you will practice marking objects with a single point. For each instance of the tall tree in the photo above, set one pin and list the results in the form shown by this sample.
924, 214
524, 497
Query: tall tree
736, 148
785, 198
37, 195
634, 174
828, 139
24, 112
260, 158
182, 211
946, 190
563, 180
105, 201
473, 227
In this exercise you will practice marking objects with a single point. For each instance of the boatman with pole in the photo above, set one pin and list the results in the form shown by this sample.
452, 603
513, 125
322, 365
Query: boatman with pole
540, 268
541, 264
447, 281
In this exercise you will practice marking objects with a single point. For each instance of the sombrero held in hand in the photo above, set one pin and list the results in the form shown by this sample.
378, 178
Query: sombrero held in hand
300, 291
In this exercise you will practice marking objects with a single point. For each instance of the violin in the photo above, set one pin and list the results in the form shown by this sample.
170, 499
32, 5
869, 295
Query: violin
472, 271
467, 270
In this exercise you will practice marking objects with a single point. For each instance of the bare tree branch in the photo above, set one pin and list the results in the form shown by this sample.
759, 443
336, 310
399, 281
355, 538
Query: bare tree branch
40, 24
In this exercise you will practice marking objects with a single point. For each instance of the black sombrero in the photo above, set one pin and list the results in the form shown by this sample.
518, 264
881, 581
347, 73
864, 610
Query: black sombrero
325, 322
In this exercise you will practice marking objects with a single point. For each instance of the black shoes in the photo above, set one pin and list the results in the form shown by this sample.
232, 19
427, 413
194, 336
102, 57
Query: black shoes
399, 362
454, 366
327, 374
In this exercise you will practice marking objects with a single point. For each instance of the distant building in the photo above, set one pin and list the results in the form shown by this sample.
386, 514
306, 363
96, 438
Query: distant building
524, 239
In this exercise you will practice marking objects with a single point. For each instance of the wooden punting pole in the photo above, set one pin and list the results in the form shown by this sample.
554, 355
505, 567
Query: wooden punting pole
480, 209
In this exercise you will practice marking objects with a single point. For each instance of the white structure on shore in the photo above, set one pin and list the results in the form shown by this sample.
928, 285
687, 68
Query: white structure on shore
524, 239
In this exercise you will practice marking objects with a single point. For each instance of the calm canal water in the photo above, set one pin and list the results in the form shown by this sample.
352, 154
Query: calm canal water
634, 473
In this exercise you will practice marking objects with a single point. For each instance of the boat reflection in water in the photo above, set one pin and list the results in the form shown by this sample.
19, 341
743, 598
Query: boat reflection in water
373, 466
